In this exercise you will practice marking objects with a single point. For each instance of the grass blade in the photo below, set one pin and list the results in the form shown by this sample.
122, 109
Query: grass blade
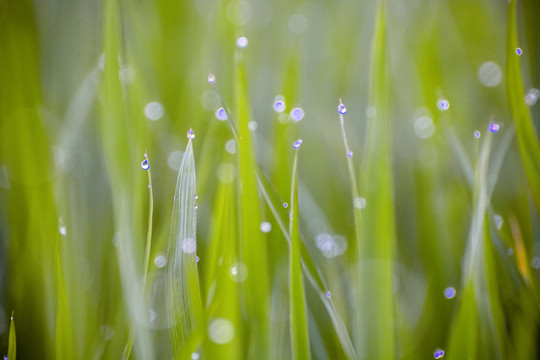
253, 250
374, 323
12, 342
297, 299
526, 136
184, 300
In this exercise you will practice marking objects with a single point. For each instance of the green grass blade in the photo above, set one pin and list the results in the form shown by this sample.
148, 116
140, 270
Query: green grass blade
374, 323
64, 340
256, 288
184, 300
297, 298
12, 342
525, 132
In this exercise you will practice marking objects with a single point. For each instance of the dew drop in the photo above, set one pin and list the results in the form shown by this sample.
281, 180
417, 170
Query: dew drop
449, 292
341, 109
438, 353
494, 127
424, 127
196, 258
489, 74
196, 197
328, 295
196, 206
279, 104
62, 229
242, 42
297, 144
498, 221
221, 114
211, 79
477, 134
285, 205
519, 51
297, 114
532, 97
331, 246
195, 356
350, 154
154, 111
160, 260
189, 245
359, 202
190, 134
152, 315
230, 146
145, 165
221, 331
443, 104
266, 227
239, 272
252, 125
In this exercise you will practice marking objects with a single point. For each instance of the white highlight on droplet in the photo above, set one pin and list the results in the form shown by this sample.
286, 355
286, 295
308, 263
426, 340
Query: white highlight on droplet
160, 260
238, 272
221, 331
242, 42
266, 227
489, 74
189, 245
230, 146
154, 111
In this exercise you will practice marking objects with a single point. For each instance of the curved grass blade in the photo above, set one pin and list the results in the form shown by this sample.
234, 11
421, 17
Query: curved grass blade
526, 136
297, 298
12, 342
374, 298
253, 251
184, 306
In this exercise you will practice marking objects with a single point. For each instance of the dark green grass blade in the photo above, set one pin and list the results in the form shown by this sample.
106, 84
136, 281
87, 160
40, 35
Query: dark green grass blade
527, 138
297, 299
374, 306
12, 342
184, 301
256, 288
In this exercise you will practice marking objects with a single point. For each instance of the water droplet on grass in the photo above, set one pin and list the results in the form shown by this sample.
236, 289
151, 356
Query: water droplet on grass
443, 104
242, 42
477, 134
279, 104
196, 259
350, 154
498, 221
489, 74
230, 146
449, 292
221, 331
424, 127
211, 79
63, 230
297, 114
252, 125
189, 245
519, 51
221, 114
190, 134
438, 353
285, 205
145, 165
266, 227
154, 111
239, 272
532, 97
160, 260
359, 202
196, 197
297, 144
195, 356
331, 246
341, 109
494, 127
328, 295
196, 206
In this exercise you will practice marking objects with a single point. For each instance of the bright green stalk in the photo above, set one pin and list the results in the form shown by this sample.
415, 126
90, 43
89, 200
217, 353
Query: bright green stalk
297, 299
12, 342
374, 316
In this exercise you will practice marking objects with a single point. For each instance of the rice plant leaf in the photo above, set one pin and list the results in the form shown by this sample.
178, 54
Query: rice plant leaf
297, 298
374, 315
184, 306
12, 342
253, 251
64, 340
526, 137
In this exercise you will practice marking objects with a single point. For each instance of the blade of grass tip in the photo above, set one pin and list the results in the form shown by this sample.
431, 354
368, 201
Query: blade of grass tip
479, 314
184, 305
308, 265
253, 249
374, 325
526, 136
12, 342
297, 298
145, 165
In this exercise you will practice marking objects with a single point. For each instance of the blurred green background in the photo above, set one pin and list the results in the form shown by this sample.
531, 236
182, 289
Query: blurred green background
87, 86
